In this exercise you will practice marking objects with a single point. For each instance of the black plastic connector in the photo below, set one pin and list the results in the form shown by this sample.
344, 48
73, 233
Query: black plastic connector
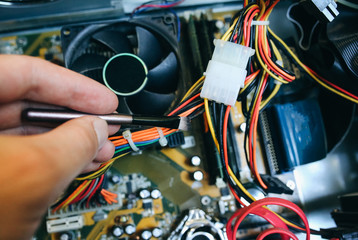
176, 139
275, 185
323, 10
339, 233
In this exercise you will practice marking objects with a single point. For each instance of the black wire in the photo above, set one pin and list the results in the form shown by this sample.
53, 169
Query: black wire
190, 105
242, 96
196, 113
248, 118
239, 24
222, 157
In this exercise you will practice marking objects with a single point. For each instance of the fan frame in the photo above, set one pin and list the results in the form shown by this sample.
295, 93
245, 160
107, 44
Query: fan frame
162, 25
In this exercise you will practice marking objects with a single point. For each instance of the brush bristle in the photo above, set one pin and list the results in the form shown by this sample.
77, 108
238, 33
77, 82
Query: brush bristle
184, 124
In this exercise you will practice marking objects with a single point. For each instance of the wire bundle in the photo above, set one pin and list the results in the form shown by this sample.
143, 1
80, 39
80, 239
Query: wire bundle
86, 193
259, 208
266, 74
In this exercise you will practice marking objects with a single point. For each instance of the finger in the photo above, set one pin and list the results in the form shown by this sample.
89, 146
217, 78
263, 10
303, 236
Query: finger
105, 153
73, 145
38, 80
25, 130
47, 164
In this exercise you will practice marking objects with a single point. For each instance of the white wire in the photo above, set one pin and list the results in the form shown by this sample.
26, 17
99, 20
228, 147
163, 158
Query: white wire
302, 35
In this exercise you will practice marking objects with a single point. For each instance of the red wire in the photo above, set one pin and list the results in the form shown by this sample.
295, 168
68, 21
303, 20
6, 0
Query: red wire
255, 112
236, 196
333, 85
184, 104
268, 60
268, 215
83, 194
271, 201
281, 231
250, 15
247, 24
94, 191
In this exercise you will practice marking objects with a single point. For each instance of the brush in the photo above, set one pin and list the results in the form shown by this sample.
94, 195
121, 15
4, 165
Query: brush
51, 116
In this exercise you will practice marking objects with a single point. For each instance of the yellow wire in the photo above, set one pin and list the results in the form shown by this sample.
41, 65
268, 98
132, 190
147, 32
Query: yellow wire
231, 173
278, 85
210, 123
278, 78
226, 36
309, 72
96, 174
79, 191
257, 96
263, 65
262, 8
193, 87
268, 99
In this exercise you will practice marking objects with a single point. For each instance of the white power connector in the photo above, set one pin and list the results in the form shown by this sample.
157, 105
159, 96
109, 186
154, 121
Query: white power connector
226, 72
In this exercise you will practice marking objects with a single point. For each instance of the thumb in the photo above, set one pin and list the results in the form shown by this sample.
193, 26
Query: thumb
73, 145
42, 168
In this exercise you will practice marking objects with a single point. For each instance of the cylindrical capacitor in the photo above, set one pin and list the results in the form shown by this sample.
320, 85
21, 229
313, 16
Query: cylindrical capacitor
197, 176
195, 161
129, 229
157, 232
66, 236
144, 193
155, 194
146, 234
117, 231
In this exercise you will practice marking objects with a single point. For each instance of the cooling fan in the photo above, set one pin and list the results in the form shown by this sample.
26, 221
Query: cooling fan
136, 59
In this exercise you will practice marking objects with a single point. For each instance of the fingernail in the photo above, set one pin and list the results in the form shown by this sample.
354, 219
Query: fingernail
101, 129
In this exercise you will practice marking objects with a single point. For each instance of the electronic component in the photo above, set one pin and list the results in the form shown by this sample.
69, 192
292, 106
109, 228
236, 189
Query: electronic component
195, 161
325, 10
155, 194
64, 224
117, 231
144, 43
157, 232
67, 236
144, 193
197, 225
226, 73
130, 229
197, 176
146, 234
293, 134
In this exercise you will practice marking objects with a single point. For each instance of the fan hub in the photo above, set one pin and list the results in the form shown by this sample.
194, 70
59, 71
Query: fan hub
125, 74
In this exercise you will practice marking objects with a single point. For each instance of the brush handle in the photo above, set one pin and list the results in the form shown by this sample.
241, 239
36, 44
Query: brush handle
61, 116
50, 116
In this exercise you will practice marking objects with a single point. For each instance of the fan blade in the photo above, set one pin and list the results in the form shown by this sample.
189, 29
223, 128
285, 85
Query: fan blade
116, 41
88, 62
150, 103
95, 74
123, 106
149, 49
163, 78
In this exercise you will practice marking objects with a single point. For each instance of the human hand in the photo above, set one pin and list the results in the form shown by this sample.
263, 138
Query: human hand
37, 168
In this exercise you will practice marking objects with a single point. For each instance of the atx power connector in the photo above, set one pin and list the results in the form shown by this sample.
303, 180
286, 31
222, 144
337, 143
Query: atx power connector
324, 10
226, 72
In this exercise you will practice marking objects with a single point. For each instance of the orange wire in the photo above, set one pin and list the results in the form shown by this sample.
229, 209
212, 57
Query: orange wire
74, 193
255, 119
